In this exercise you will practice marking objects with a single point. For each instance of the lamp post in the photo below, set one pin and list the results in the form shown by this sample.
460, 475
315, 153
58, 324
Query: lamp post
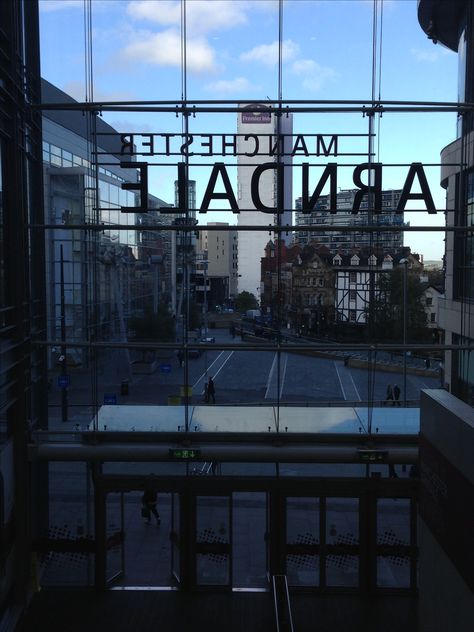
205, 263
156, 261
405, 328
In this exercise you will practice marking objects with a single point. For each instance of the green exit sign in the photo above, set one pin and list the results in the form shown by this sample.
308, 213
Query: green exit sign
184, 454
372, 456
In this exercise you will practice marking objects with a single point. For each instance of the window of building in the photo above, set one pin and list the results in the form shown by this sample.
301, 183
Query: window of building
352, 315
432, 318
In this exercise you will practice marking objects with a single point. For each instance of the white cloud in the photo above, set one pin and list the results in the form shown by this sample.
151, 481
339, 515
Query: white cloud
232, 86
313, 74
268, 53
76, 89
202, 16
425, 55
304, 66
129, 126
164, 49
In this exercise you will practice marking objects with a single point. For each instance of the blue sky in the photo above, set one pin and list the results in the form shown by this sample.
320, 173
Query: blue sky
232, 54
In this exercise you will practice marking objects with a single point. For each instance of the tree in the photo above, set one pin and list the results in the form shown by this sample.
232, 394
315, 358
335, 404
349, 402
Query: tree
154, 327
436, 278
245, 300
389, 308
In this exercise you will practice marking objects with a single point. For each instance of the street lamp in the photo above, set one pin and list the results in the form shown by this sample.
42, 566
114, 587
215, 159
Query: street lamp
205, 263
156, 261
405, 327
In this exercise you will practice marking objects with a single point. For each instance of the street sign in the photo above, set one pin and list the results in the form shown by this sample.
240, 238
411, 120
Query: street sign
110, 398
63, 381
165, 367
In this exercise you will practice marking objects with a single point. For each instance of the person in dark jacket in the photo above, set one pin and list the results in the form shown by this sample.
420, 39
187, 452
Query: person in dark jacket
389, 395
211, 391
149, 500
396, 395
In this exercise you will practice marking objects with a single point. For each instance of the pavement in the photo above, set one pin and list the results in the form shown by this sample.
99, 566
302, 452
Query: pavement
244, 377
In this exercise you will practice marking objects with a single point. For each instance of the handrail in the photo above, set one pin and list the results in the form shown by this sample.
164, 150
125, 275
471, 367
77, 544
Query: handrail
281, 598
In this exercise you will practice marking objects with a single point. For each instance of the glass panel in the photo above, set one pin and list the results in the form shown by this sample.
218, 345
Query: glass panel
146, 546
342, 541
249, 563
393, 540
212, 540
71, 521
342, 570
175, 535
115, 536
66, 569
303, 539
322, 469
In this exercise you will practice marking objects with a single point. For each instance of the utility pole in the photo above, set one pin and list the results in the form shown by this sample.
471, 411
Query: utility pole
205, 263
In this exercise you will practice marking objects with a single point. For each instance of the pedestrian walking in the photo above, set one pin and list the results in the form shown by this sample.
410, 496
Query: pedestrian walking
149, 500
389, 395
206, 393
211, 391
396, 395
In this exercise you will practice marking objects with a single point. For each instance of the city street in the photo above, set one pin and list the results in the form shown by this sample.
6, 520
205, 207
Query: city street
256, 377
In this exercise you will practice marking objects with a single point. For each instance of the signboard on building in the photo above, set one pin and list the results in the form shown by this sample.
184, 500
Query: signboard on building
256, 117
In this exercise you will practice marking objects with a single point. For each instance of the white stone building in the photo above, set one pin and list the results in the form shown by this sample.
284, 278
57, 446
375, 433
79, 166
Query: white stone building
258, 129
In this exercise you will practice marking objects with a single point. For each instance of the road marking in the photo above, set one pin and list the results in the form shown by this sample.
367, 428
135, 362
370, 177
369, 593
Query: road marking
223, 364
206, 373
340, 381
272, 371
355, 387
285, 355
270, 375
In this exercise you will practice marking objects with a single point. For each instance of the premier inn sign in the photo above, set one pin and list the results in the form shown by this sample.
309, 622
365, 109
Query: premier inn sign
281, 149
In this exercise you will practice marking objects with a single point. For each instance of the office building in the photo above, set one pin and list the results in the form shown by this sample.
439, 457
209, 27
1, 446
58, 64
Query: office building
446, 577
183, 247
454, 316
258, 129
219, 248
344, 240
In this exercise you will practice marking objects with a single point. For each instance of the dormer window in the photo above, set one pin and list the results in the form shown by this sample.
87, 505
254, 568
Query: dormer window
372, 260
355, 260
387, 263
337, 260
